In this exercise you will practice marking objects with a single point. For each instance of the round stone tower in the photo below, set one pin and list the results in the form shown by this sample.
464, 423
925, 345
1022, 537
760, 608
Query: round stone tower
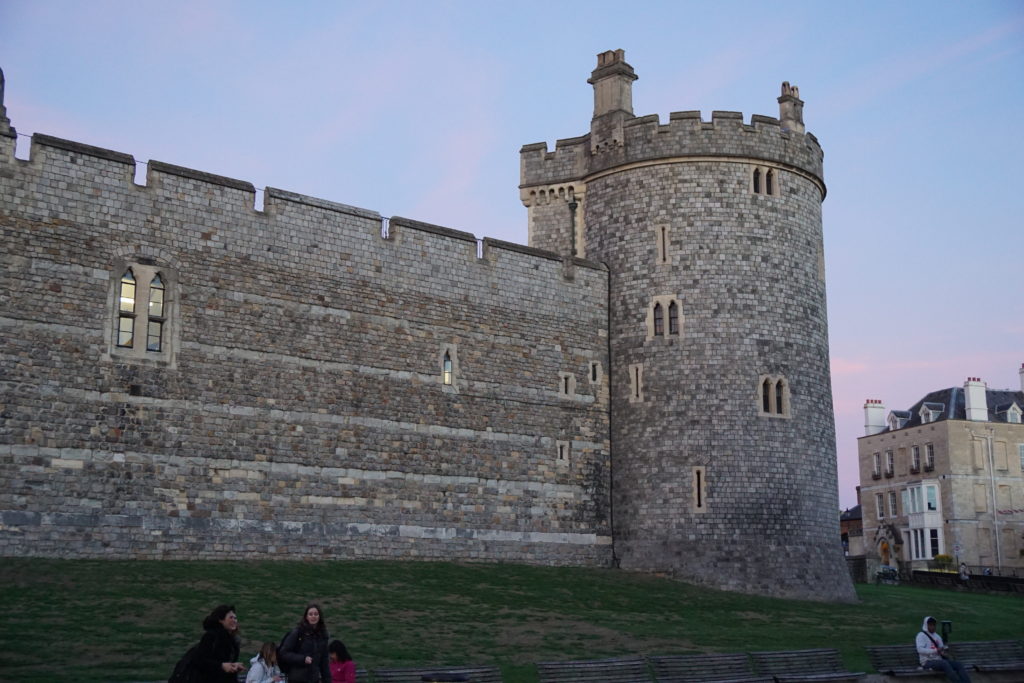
723, 441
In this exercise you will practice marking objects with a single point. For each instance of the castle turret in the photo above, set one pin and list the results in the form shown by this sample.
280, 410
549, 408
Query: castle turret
722, 434
5, 123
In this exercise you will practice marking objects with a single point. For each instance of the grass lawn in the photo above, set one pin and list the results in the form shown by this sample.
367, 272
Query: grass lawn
93, 620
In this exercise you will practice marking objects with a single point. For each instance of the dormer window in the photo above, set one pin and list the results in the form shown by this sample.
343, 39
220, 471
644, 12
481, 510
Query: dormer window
1013, 413
930, 412
898, 419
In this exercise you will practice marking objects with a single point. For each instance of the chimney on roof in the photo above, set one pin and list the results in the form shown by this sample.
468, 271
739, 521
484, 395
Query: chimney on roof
613, 84
977, 400
874, 417
791, 109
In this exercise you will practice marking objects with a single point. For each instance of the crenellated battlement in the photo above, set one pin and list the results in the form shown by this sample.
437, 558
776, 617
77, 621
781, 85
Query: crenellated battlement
285, 218
686, 136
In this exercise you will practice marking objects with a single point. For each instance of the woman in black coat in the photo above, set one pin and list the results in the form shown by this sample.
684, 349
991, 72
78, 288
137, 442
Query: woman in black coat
215, 658
304, 650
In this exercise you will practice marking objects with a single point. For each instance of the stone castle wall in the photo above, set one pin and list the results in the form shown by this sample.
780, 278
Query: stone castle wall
301, 410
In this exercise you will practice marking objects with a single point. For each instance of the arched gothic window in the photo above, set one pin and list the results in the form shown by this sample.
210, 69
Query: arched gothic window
769, 182
142, 313
126, 311
155, 331
774, 396
673, 318
659, 320
757, 181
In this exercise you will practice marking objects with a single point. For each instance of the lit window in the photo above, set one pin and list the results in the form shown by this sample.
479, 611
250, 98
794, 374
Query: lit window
126, 311
446, 371
143, 312
155, 331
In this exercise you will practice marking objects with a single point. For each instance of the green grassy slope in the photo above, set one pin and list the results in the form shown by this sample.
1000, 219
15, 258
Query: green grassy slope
124, 620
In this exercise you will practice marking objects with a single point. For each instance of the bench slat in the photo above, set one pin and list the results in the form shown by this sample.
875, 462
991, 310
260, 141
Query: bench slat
990, 655
619, 669
823, 664
720, 668
476, 674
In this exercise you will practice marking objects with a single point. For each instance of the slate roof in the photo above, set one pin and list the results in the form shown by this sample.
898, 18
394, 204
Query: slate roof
953, 405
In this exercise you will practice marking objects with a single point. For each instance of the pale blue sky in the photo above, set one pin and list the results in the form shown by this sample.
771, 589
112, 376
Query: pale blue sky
419, 109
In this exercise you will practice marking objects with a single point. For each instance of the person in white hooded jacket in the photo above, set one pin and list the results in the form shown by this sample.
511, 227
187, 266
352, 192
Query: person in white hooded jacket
932, 653
263, 667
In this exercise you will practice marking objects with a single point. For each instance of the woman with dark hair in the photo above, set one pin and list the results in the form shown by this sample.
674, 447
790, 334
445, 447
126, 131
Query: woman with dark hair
215, 656
343, 669
304, 650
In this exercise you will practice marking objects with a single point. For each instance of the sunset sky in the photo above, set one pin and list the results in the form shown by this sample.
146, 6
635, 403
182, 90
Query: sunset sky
419, 109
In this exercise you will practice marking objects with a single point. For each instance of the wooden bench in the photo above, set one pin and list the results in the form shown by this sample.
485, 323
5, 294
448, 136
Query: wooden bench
989, 655
476, 674
900, 661
619, 670
721, 668
822, 664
